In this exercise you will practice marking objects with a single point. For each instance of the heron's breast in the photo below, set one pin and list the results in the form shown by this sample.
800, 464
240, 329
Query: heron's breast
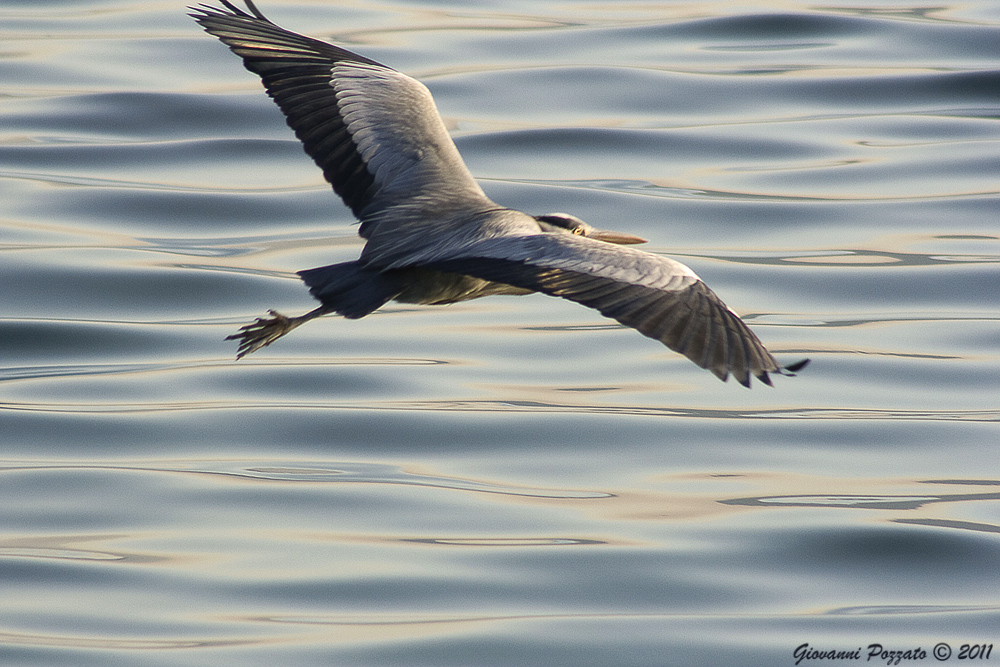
429, 287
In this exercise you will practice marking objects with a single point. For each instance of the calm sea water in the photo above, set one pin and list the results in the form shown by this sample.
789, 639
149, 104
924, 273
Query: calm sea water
511, 481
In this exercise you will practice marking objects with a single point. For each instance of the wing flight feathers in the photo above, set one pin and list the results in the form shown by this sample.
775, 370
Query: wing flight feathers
375, 133
660, 298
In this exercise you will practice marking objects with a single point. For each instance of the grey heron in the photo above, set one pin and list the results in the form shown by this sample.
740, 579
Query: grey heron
432, 235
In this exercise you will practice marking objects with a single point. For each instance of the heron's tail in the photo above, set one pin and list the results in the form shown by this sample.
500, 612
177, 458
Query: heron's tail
350, 289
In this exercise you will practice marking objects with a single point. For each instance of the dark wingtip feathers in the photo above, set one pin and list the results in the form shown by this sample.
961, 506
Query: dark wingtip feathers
792, 369
788, 371
208, 11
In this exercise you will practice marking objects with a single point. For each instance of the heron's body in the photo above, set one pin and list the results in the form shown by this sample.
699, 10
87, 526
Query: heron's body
433, 236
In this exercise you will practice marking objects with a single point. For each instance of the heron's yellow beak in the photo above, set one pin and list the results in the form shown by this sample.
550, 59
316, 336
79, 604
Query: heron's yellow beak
618, 238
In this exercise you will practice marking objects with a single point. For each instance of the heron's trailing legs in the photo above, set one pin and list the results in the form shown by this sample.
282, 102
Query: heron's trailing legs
265, 330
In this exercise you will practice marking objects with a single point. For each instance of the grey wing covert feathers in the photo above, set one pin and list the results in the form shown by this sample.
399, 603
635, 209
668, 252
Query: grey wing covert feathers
433, 235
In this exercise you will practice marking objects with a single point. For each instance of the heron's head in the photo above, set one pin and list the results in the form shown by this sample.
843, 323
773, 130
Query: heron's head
569, 224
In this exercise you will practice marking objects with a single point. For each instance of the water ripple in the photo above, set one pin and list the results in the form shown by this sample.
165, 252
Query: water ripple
670, 191
338, 473
872, 502
517, 406
504, 541
117, 643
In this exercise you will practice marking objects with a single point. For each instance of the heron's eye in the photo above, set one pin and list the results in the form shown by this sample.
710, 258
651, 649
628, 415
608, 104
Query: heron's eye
578, 231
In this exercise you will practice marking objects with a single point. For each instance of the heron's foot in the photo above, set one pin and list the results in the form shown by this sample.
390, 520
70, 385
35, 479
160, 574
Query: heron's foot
263, 331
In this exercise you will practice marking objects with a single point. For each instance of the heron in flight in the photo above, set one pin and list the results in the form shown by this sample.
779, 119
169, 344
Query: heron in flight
433, 236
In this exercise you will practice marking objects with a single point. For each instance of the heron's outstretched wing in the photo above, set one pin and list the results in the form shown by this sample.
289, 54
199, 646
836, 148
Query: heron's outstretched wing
374, 132
659, 297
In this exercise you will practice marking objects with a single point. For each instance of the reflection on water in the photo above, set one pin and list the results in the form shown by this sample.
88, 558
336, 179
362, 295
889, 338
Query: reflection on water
513, 480
365, 473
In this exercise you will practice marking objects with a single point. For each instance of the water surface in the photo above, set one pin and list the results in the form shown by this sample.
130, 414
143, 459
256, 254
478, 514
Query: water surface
511, 481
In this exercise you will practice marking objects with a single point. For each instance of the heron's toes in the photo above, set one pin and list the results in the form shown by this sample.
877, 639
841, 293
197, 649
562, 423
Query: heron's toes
261, 332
